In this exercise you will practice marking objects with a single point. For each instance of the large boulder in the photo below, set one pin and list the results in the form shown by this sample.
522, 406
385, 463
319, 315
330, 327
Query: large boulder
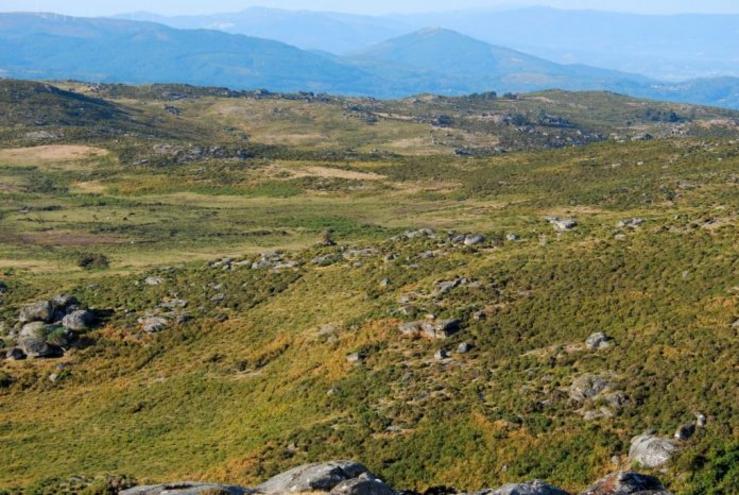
598, 341
536, 487
79, 320
430, 329
41, 311
37, 340
626, 483
651, 451
364, 484
588, 386
322, 476
188, 488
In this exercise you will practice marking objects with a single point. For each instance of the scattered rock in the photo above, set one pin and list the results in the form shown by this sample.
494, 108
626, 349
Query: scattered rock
79, 320
15, 354
312, 477
598, 341
536, 487
153, 281
626, 483
3, 287
430, 329
464, 348
631, 223
364, 484
40, 311
588, 386
188, 488
441, 355
153, 324
651, 451
562, 224
700, 420
511, 237
684, 432
445, 286
474, 239
34, 340
354, 358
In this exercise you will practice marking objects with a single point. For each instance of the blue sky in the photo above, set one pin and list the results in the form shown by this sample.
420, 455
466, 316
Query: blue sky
107, 7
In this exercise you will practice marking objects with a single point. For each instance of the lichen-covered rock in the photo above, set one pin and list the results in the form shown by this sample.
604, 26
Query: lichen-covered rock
153, 324
79, 320
598, 341
588, 386
626, 483
364, 484
323, 476
536, 487
430, 329
34, 340
651, 451
188, 488
42, 311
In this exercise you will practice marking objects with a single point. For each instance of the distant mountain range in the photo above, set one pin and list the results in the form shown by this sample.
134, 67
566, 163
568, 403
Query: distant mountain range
49, 46
668, 47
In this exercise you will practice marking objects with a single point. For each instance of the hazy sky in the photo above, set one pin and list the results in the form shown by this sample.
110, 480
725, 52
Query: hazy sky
107, 7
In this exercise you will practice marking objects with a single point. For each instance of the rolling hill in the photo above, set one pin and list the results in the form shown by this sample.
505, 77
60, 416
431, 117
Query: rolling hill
440, 61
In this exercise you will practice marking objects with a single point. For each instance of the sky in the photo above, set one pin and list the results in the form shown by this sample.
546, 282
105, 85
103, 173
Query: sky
375, 7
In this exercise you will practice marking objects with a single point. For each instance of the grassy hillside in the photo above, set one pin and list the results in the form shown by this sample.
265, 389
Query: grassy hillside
271, 360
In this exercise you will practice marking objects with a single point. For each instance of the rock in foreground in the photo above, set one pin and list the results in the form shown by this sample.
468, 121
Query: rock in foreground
313, 477
188, 488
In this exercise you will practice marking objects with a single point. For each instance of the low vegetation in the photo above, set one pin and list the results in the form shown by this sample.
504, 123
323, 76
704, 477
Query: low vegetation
250, 260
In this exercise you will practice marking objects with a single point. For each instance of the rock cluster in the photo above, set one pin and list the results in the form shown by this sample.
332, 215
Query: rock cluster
48, 328
347, 477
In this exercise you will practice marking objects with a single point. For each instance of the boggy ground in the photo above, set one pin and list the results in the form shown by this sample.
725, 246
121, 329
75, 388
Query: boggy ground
266, 361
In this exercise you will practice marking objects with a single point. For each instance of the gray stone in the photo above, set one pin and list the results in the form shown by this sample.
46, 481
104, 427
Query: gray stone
630, 223
464, 348
153, 280
33, 340
354, 358
700, 420
188, 488
430, 329
651, 451
626, 483
323, 476
79, 320
536, 487
598, 341
440, 355
588, 386
365, 484
511, 237
153, 324
445, 286
15, 354
474, 239
684, 432
562, 224
41, 311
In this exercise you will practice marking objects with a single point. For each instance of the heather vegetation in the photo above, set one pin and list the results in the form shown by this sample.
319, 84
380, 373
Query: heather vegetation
455, 291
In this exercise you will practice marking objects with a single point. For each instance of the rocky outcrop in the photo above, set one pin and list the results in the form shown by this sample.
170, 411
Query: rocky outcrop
430, 329
536, 487
346, 477
188, 488
626, 483
323, 476
651, 451
598, 341
364, 484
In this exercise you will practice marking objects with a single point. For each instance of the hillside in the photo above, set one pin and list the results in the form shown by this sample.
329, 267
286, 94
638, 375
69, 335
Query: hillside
105, 50
475, 66
458, 292
439, 61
